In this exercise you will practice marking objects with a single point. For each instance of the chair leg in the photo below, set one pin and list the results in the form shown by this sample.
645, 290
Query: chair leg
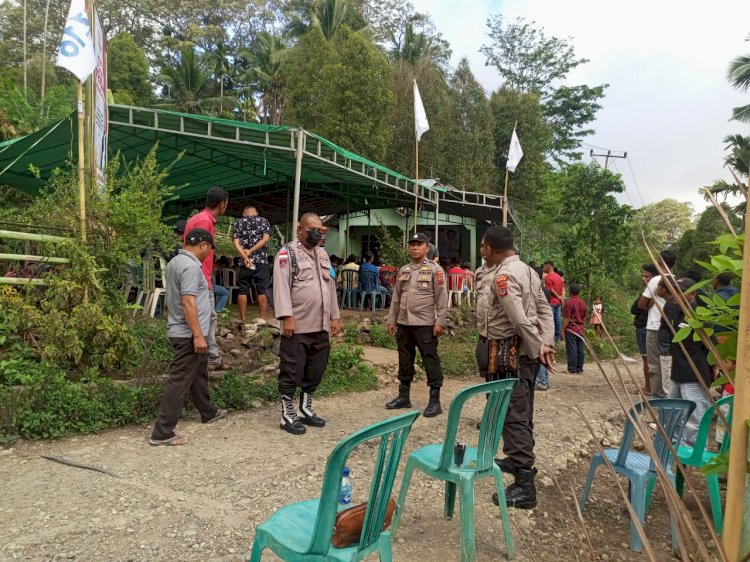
500, 485
259, 545
650, 492
714, 494
679, 481
638, 500
402, 497
468, 540
385, 552
450, 499
589, 479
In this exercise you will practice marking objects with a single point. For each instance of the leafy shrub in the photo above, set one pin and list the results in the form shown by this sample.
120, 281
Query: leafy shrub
238, 393
347, 371
350, 333
379, 337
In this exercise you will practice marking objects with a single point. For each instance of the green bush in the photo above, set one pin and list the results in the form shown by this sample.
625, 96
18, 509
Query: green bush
457, 358
379, 337
238, 393
347, 371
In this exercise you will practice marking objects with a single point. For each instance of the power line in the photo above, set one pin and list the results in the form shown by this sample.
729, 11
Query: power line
635, 181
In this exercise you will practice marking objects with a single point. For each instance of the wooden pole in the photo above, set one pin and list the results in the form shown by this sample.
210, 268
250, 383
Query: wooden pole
416, 187
81, 166
437, 216
505, 200
297, 179
736, 474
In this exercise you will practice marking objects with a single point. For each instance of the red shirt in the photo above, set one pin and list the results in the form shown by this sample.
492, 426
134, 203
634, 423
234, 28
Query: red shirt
575, 311
206, 220
461, 275
554, 283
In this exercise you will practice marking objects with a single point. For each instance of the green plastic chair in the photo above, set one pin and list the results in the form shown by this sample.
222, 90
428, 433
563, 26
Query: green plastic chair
437, 461
301, 532
698, 456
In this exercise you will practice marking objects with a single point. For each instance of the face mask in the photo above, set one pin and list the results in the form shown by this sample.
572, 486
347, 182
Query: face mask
314, 237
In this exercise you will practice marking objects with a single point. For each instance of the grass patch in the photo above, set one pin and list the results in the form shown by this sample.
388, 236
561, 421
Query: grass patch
379, 337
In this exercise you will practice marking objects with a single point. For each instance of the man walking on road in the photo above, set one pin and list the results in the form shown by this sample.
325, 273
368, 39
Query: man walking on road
304, 295
190, 310
216, 205
554, 283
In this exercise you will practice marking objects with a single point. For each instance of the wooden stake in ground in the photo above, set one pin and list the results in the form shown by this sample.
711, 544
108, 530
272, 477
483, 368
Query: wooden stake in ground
736, 510
81, 165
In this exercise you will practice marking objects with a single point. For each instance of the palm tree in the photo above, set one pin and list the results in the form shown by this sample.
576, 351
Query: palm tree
327, 16
264, 77
739, 77
190, 82
738, 162
222, 68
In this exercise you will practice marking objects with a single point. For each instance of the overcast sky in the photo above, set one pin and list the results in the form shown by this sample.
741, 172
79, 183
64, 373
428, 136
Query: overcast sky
668, 103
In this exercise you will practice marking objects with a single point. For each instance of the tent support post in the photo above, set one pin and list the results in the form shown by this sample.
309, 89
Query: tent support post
437, 217
298, 177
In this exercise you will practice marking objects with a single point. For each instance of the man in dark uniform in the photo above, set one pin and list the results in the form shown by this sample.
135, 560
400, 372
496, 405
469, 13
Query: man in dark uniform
304, 294
516, 330
417, 317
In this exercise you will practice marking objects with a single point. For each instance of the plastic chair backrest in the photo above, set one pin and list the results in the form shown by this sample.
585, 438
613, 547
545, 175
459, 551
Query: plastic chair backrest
392, 433
368, 281
672, 415
149, 274
498, 397
348, 279
456, 281
704, 429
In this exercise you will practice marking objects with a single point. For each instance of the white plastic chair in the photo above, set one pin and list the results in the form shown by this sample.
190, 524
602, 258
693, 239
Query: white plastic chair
150, 275
457, 282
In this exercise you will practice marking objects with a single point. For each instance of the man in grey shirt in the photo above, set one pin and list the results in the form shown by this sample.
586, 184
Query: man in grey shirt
189, 305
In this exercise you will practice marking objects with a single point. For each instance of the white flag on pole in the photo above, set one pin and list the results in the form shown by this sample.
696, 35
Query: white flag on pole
421, 125
76, 51
515, 153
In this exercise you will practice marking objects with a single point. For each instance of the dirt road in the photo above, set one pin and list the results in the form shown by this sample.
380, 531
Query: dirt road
202, 502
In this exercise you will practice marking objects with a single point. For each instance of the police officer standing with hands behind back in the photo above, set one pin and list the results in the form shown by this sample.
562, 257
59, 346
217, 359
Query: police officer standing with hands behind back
517, 332
417, 317
304, 295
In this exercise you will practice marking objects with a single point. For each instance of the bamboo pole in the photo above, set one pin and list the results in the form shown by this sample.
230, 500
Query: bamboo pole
416, 187
31, 237
505, 200
734, 514
81, 166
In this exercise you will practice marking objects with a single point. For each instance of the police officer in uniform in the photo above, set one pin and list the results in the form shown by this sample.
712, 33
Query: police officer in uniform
517, 332
417, 317
304, 295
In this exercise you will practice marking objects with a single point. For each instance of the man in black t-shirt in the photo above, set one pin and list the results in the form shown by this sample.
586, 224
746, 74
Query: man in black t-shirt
251, 234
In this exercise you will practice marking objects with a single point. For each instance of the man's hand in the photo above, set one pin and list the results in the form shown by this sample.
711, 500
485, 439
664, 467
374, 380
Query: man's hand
437, 331
335, 327
288, 326
392, 329
199, 345
248, 262
547, 358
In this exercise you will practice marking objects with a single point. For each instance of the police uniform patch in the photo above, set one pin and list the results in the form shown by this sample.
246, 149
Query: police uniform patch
440, 277
502, 285
283, 259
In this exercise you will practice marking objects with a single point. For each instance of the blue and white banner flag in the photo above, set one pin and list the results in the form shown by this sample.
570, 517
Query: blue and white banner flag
76, 51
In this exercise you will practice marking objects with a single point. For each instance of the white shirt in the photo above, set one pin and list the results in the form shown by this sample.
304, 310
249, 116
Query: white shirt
654, 315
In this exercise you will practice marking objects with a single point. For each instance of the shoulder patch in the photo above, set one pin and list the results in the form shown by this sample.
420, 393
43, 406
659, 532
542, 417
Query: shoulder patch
440, 277
283, 257
502, 285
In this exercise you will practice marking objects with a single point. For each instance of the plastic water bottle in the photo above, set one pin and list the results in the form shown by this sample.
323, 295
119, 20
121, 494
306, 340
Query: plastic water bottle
346, 488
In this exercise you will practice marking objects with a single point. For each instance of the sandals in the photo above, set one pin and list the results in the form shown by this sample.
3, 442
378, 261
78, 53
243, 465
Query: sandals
219, 414
173, 441
223, 366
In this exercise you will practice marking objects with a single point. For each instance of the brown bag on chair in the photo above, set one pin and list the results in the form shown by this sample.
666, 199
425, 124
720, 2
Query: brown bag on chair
348, 526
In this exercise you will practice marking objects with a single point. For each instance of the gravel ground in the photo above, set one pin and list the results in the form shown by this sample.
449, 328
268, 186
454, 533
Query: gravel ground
202, 501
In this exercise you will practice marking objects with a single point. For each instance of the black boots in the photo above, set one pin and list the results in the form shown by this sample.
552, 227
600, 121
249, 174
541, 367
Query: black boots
506, 466
308, 416
289, 420
522, 493
402, 401
433, 406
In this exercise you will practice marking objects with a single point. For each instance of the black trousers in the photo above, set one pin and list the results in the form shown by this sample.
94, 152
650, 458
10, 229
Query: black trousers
189, 371
409, 338
304, 358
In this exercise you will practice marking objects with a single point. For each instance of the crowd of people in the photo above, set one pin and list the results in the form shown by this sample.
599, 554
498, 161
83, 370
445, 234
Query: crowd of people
523, 312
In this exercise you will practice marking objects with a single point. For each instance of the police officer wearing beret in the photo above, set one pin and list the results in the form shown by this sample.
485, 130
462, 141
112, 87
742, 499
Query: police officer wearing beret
304, 293
517, 332
417, 317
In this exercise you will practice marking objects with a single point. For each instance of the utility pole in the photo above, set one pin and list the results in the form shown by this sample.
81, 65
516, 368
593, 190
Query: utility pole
608, 156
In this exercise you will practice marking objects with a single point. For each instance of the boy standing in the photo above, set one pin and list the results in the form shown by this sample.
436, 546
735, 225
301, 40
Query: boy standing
417, 319
190, 308
574, 321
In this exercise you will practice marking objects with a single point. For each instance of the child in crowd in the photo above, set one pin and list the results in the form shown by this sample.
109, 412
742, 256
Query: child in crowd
596, 316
